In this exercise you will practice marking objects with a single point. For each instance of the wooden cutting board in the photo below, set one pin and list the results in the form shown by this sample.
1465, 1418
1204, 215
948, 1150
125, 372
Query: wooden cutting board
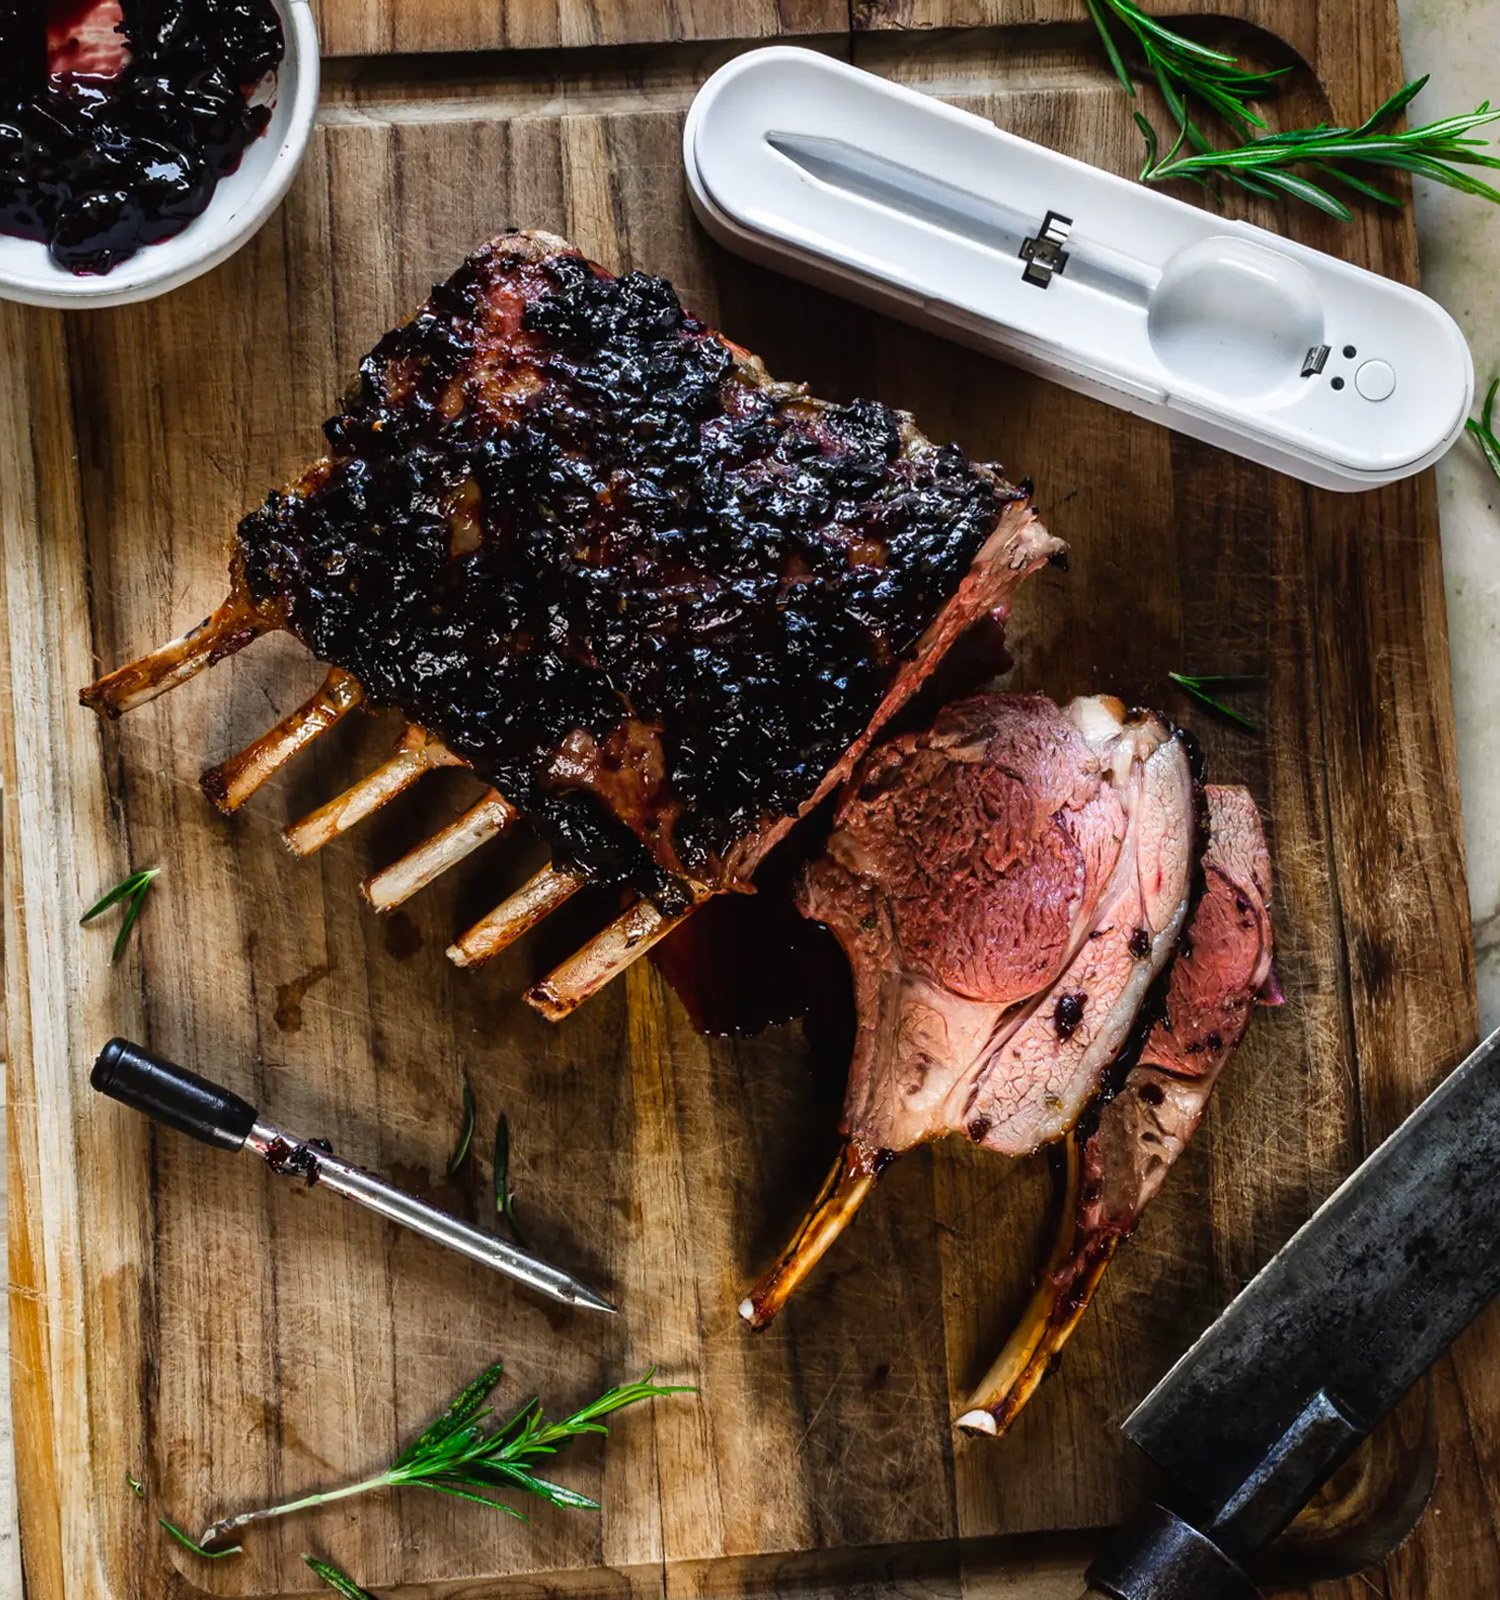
230, 1339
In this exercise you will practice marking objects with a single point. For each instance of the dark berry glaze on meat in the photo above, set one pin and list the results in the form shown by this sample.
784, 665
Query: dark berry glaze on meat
118, 118
647, 593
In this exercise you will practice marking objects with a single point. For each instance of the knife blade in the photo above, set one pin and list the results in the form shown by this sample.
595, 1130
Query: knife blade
1318, 1347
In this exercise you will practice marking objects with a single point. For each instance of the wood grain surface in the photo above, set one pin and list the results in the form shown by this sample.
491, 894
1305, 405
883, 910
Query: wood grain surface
231, 1339
375, 27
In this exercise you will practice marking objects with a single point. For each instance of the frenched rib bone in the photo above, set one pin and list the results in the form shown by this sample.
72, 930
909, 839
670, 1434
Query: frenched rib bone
659, 603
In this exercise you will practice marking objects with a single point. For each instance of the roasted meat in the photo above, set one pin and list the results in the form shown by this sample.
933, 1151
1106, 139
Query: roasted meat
1116, 1158
658, 602
1006, 885
1011, 888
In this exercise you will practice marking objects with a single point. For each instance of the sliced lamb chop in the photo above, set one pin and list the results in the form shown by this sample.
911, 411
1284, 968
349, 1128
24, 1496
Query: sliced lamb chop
658, 602
1115, 1162
1006, 886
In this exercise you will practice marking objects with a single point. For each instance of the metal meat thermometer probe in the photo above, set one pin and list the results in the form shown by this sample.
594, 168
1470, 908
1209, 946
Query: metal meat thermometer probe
180, 1099
1327, 1337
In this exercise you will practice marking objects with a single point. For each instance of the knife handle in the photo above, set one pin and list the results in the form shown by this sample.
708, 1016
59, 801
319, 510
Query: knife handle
1158, 1555
172, 1095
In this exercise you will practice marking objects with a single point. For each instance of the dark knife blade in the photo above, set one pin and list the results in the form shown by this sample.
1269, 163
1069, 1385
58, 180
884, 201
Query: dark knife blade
1326, 1338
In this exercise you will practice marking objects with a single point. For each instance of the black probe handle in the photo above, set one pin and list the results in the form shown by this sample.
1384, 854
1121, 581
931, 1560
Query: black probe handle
171, 1094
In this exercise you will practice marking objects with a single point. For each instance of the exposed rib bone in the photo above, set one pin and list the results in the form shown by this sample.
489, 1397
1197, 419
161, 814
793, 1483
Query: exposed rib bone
234, 625
536, 898
486, 819
844, 1190
1062, 1295
604, 957
232, 782
418, 753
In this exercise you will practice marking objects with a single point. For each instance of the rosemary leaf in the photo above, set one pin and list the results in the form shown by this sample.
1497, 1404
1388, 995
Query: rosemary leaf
197, 1549
457, 1455
465, 1133
1196, 688
1360, 186
1122, 72
1482, 427
133, 890
558, 1494
478, 1499
1303, 189
462, 1410
129, 886
137, 1488
336, 1579
1221, 680
505, 1200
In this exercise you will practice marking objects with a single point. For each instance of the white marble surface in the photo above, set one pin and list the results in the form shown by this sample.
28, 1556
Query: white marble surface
1458, 42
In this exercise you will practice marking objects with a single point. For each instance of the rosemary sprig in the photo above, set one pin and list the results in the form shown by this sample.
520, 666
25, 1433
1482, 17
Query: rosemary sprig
465, 1133
188, 1543
1437, 150
1190, 76
133, 890
336, 1579
505, 1200
456, 1455
1197, 686
1483, 429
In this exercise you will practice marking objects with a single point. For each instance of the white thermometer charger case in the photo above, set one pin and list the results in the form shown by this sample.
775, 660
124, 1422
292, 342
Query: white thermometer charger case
1215, 328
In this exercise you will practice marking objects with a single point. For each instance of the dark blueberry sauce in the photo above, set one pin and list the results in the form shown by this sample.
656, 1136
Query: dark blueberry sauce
118, 118
1067, 1014
648, 598
297, 1160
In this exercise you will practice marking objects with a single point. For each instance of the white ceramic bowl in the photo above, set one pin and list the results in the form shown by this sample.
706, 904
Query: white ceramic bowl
241, 203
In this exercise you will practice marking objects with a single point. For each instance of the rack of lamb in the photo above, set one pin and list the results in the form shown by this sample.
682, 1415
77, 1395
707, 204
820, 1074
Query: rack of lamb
659, 603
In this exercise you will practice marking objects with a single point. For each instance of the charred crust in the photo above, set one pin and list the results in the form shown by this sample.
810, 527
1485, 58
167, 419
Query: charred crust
660, 538
215, 788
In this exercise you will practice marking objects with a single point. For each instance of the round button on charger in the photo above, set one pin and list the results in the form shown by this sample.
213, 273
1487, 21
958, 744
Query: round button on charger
1375, 380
